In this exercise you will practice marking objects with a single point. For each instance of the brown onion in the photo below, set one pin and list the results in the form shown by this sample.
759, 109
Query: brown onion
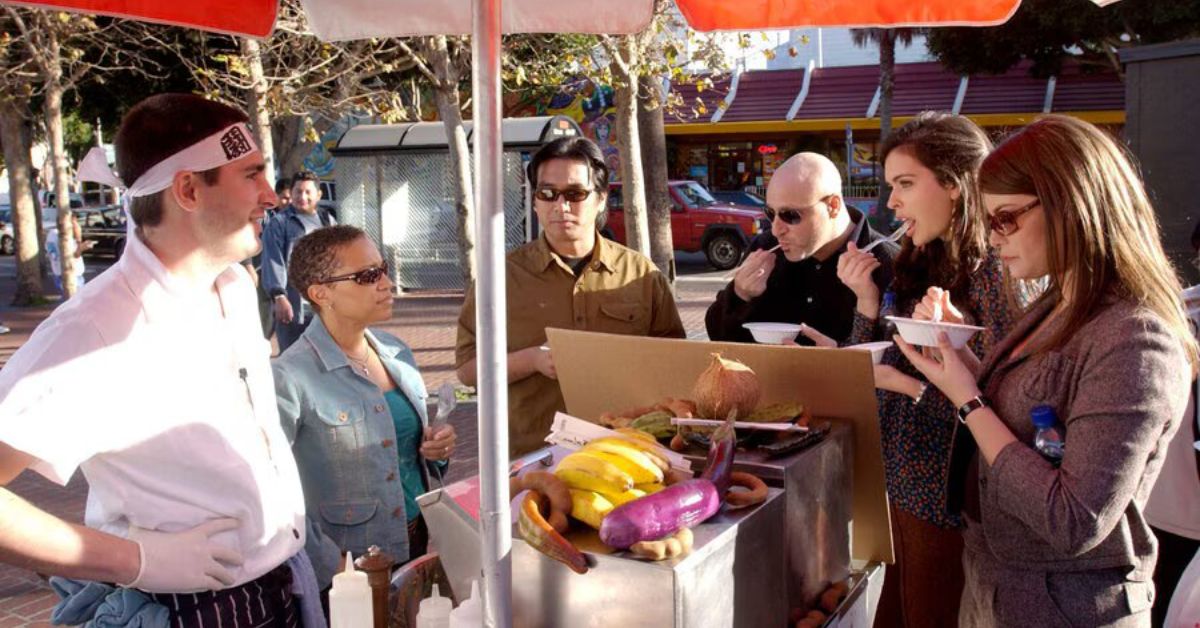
726, 386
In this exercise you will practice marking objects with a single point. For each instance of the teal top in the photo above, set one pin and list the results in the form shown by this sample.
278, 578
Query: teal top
408, 444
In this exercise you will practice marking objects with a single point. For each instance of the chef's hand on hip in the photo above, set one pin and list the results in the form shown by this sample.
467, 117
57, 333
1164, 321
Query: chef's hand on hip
185, 562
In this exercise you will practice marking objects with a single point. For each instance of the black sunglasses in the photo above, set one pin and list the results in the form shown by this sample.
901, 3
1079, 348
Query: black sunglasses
791, 216
364, 277
1005, 223
572, 195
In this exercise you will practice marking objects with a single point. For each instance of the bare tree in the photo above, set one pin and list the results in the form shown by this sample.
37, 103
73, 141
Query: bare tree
291, 77
443, 61
886, 39
654, 162
625, 59
64, 48
638, 63
16, 79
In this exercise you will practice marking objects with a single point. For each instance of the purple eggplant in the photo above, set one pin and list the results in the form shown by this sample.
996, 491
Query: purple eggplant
661, 514
719, 466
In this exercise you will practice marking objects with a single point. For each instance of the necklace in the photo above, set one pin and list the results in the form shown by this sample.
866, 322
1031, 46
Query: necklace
363, 362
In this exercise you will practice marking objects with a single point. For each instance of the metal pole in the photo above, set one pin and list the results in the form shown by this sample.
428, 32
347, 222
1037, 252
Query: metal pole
491, 336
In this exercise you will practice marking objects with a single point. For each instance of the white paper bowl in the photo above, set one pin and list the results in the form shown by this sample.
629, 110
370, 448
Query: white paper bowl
876, 349
924, 333
773, 333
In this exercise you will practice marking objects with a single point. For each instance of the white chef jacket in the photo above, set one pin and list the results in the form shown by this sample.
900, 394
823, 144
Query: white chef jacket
167, 405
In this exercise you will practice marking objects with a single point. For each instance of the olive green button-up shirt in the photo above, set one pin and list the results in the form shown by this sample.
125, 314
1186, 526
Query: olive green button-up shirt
619, 292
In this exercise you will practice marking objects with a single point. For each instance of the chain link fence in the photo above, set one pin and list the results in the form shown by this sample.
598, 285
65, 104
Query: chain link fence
405, 202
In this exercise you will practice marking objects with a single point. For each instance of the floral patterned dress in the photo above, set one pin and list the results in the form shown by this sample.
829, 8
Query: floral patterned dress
917, 436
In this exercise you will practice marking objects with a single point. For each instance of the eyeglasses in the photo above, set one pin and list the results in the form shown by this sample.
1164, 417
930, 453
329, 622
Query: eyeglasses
571, 195
364, 277
791, 216
1005, 223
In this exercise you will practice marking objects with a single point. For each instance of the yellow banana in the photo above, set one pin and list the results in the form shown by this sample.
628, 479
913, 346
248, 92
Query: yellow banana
589, 507
619, 499
649, 489
587, 470
650, 450
631, 459
638, 434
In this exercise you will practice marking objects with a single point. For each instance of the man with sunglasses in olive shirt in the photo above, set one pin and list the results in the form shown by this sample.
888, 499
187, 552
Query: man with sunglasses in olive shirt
790, 275
569, 278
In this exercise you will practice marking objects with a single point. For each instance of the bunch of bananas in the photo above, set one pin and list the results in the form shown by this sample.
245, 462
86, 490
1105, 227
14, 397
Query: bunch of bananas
611, 471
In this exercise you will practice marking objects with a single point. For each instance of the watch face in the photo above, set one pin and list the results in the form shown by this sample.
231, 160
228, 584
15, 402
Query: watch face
969, 407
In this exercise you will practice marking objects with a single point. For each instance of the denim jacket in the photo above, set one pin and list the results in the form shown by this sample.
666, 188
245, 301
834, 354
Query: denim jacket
344, 440
280, 234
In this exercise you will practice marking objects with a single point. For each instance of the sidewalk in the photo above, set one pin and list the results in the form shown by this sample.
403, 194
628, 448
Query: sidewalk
428, 322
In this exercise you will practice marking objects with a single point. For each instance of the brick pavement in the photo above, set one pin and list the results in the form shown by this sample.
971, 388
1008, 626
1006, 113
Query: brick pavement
427, 322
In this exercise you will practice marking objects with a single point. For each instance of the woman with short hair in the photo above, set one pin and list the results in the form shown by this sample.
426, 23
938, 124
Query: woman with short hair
352, 403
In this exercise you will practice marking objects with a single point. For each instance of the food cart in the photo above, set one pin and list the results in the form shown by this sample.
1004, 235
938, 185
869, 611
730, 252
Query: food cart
826, 505
834, 493
487, 19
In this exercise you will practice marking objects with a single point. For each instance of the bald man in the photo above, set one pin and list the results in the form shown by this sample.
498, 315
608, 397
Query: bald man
797, 282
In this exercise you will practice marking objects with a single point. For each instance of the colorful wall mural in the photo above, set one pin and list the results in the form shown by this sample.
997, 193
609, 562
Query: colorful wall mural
589, 104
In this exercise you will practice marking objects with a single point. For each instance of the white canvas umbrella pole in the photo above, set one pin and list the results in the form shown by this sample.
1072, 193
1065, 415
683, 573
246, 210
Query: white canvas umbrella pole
490, 317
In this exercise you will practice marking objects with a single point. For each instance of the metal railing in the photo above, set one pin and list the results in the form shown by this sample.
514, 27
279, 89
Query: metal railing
861, 191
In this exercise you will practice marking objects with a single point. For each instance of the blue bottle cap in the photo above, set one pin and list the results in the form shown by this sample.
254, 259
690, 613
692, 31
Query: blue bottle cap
1043, 416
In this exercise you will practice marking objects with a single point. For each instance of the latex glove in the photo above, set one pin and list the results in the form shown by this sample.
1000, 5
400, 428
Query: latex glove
184, 562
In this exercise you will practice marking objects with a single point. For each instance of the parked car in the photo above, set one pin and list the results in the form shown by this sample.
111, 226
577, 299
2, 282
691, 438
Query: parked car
7, 241
329, 200
699, 222
106, 227
47, 199
749, 199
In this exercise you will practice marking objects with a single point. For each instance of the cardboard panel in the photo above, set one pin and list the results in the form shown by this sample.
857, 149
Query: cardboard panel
605, 372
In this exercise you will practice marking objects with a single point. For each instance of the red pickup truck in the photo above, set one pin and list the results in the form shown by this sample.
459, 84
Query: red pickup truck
699, 222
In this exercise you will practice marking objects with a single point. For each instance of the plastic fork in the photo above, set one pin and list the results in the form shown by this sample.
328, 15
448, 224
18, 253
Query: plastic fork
895, 237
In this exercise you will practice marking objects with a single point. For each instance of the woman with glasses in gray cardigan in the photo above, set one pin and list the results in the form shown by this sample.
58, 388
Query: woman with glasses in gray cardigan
1107, 348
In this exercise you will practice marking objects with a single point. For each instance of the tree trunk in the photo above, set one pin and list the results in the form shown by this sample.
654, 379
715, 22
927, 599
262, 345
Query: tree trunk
290, 145
13, 116
62, 186
256, 101
449, 110
633, 184
654, 164
887, 80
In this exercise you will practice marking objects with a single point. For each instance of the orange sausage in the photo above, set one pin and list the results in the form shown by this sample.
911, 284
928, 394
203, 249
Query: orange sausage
554, 489
756, 494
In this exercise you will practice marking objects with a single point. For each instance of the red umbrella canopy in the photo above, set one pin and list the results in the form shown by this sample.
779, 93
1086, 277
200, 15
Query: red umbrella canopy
355, 19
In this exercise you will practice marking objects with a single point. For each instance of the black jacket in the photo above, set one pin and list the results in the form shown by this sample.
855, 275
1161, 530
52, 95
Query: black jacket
807, 292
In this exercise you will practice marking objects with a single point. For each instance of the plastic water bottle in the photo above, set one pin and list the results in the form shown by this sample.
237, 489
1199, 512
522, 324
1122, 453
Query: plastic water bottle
434, 611
1049, 439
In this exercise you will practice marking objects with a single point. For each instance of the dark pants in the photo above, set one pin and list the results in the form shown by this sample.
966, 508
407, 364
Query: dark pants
923, 587
266, 312
266, 601
1174, 554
